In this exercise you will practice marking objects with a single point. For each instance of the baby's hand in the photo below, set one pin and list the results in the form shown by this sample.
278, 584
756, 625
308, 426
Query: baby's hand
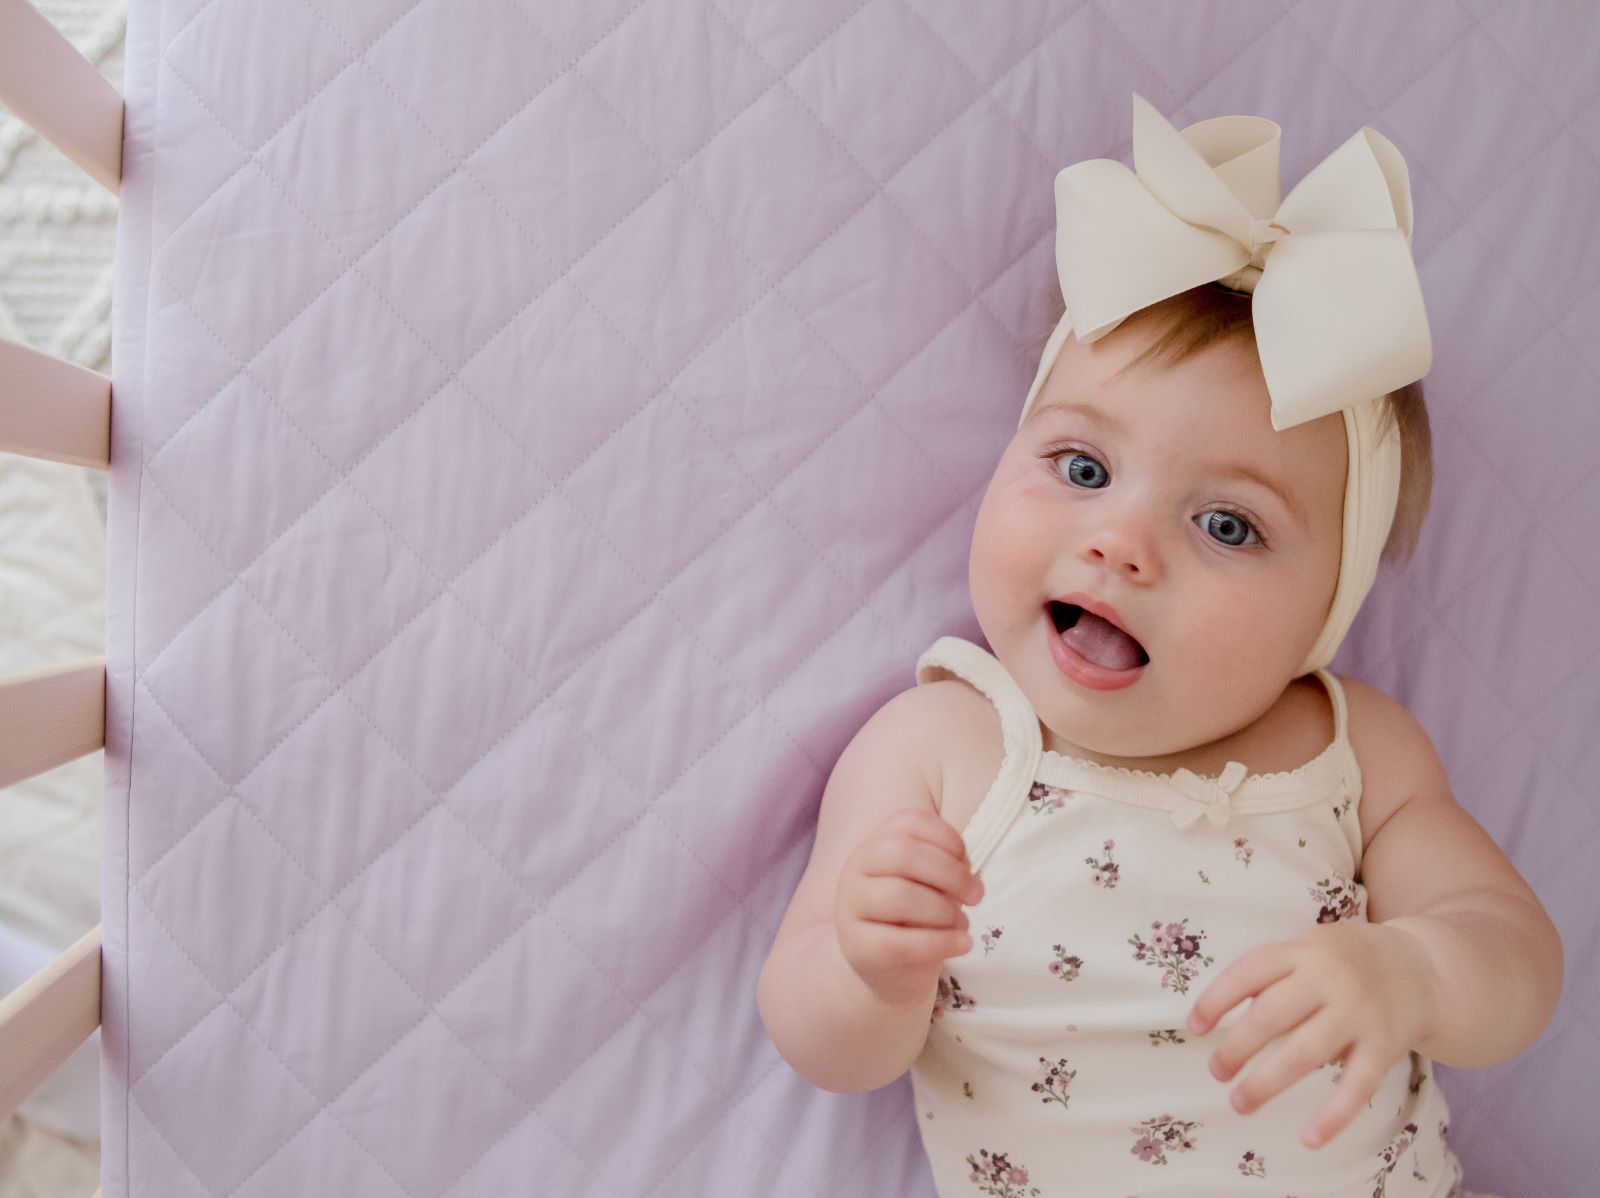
1351, 990
898, 911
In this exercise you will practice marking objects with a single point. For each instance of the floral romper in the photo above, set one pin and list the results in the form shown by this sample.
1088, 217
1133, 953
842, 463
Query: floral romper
1058, 1063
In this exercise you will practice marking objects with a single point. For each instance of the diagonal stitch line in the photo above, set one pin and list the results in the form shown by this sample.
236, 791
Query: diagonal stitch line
1512, 1143
879, 191
250, 154
987, 88
1510, 711
1540, 529
326, 1104
684, 1152
1211, 76
1531, 83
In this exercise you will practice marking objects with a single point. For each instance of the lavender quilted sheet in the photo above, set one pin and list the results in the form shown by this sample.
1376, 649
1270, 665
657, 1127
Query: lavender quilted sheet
544, 431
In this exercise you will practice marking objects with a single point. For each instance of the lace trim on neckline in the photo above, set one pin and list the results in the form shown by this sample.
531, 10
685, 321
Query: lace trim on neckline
1254, 781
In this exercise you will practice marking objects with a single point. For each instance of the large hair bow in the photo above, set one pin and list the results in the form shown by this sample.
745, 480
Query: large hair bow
1336, 304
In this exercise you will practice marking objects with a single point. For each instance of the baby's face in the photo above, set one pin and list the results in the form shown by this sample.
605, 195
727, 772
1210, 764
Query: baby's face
1132, 493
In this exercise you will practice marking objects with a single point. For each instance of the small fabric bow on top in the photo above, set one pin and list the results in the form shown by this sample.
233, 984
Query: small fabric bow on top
1210, 797
1337, 307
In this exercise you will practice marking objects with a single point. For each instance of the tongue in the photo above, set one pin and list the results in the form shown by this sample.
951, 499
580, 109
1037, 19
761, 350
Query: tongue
1102, 643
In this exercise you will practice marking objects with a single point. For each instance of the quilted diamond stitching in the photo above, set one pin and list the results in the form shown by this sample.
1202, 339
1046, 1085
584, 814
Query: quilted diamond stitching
156, 250
379, 441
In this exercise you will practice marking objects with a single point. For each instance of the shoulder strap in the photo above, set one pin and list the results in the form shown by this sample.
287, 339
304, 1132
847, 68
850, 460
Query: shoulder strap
1019, 730
1341, 734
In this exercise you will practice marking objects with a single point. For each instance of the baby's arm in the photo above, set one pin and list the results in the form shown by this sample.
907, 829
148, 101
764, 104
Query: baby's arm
1432, 871
836, 1030
1456, 959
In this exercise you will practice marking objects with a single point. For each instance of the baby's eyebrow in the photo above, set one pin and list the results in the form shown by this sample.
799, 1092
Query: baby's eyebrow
1088, 411
1250, 474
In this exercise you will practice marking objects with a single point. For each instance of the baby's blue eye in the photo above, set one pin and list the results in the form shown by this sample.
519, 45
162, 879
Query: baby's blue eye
1084, 471
1226, 527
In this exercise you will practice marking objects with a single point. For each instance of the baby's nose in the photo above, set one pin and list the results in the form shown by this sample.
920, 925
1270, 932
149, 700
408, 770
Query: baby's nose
1125, 547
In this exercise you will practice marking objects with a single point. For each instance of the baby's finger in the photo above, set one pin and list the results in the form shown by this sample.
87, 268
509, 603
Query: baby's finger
916, 859
1247, 974
898, 900
907, 947
1278, 1009
1364, 1070
935, 829
1310, 1046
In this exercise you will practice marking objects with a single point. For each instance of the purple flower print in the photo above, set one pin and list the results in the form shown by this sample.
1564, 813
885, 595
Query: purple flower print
1338, 898
1154, 1138
1252, 1165
949, 997
1103, 873
1064, 967
1242, 851
1390, 1157
1174, 950
994, 1174
1043, 799
990, 939
1055, 1080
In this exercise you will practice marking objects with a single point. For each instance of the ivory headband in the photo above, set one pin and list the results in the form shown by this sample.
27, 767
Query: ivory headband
1337, 308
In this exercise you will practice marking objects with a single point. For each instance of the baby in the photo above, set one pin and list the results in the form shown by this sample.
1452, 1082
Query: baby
1191, 847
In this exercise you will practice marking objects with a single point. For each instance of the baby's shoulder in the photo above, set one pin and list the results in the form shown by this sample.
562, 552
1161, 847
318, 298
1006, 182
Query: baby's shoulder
1378, 725
966, 746
1393, 751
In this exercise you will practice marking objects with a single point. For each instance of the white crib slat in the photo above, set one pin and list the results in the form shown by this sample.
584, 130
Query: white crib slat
53, 409
44, 1020
49, 85
49, 717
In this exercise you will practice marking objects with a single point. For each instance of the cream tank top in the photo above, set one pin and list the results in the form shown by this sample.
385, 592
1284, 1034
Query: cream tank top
1058, 1063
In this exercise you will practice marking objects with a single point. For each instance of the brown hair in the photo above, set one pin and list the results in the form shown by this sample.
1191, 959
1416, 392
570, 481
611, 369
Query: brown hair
1193, 320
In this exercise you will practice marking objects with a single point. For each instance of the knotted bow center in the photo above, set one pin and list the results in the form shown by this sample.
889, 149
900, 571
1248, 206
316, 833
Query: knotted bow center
1264, 231
1210, 797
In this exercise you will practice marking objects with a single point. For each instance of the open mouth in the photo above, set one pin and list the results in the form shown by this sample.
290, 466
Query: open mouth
1096, 639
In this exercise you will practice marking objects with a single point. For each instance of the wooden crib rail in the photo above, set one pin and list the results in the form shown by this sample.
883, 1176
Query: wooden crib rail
49, 717
53, 409
43, 1021
54, 88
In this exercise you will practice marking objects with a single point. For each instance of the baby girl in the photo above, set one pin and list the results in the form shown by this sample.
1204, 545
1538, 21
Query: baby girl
1191, 848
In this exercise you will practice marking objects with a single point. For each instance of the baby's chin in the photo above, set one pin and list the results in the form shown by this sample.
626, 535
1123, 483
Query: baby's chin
1114, 746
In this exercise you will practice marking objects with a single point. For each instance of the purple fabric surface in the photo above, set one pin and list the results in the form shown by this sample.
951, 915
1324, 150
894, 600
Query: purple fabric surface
541, 438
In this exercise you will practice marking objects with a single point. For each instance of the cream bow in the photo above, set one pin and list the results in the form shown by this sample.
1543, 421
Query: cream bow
1210, 797
1336, 303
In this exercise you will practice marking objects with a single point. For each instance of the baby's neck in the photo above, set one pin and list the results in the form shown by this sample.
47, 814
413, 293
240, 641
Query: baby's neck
1297, 727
